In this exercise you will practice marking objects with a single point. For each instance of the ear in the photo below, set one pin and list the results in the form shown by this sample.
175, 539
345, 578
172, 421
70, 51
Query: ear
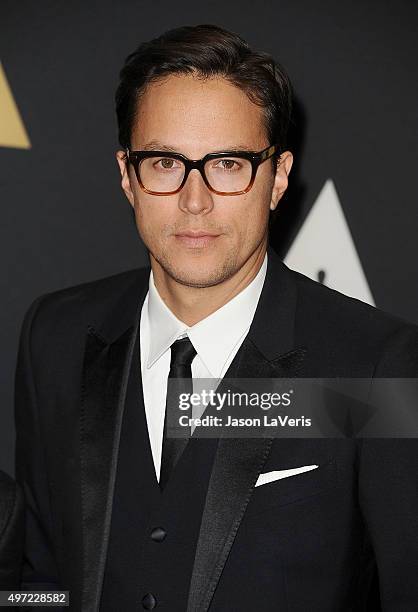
124, 171
284, 165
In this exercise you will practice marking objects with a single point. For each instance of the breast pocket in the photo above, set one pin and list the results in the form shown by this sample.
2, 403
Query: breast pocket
292, 488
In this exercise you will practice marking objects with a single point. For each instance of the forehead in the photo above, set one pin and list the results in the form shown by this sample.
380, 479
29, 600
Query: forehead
195, 116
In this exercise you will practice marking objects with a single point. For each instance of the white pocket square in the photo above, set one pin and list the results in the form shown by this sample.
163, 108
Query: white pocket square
277, 474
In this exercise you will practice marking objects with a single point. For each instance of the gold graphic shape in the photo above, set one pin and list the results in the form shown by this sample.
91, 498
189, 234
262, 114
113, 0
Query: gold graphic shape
12, 129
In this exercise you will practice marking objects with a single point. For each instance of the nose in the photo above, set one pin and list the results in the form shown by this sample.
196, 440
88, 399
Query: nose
195, 198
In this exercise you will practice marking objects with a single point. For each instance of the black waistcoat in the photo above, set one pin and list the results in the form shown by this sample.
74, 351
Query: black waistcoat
136, 563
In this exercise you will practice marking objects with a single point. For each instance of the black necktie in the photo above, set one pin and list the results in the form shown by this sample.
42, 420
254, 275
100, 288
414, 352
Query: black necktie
179, 381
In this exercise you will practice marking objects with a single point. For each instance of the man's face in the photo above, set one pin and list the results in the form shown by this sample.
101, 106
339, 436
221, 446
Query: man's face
195, 117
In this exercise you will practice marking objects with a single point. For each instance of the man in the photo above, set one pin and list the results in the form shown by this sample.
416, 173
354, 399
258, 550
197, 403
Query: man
118, 513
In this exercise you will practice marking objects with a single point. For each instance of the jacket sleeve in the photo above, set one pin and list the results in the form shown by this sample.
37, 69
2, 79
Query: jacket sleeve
388, 488
11, 532
39, 565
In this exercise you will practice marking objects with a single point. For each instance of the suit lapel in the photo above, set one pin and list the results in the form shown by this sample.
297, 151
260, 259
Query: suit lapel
267, 352
107, 361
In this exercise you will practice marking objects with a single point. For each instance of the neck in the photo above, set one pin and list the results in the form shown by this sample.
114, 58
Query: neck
192, 304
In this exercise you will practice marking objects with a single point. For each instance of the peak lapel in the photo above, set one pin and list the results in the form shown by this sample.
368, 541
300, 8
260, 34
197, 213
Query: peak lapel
107, 362
237, 465
267, 352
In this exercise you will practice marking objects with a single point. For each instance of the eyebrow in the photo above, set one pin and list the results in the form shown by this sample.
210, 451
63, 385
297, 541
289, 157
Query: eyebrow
156, 145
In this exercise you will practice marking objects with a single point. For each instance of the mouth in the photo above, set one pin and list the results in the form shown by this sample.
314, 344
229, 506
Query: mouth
196, 239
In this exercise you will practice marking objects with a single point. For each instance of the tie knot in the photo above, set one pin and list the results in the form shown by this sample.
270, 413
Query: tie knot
182, 352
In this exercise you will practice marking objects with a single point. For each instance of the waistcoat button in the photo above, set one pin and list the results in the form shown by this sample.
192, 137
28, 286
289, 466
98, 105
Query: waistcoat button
149, 602
158, 534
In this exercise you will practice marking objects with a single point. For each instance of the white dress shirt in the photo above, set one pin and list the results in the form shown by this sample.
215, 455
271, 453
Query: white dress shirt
215, 338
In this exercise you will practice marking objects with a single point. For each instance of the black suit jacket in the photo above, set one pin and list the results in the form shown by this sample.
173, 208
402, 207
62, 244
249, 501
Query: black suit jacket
11, 532
324, 540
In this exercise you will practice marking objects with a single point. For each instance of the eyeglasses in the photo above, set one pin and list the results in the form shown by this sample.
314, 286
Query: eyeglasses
228, 173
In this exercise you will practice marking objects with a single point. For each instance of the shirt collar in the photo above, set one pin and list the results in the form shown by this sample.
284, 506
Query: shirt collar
215, 336
164, 326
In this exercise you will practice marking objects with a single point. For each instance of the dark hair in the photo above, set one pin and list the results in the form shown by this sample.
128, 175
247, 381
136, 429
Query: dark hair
206, 50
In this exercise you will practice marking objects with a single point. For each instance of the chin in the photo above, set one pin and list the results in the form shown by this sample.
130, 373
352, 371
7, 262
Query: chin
192, 278
196, 274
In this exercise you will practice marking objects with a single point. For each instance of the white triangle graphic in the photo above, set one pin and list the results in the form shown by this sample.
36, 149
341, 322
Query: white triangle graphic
324, 248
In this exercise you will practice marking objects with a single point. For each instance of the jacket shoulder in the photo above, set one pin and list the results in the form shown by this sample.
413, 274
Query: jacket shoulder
82, 302
98, 287
344, 328
329, 306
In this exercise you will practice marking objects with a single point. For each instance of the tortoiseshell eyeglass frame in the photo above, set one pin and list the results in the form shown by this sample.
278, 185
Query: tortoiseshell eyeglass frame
255, 157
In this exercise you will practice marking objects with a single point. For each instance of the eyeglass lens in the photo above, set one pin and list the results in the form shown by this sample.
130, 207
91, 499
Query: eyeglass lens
165, 174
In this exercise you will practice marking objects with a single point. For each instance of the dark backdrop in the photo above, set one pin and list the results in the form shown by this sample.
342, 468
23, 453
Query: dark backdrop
64, 219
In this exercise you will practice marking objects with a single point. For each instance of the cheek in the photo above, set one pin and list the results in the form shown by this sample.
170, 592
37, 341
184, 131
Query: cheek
151, 216
254, 215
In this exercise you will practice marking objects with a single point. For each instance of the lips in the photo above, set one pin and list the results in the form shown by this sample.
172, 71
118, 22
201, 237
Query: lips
196, 239
200, 234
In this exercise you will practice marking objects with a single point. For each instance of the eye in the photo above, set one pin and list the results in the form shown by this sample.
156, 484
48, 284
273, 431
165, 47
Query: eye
166, 163
227, 164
